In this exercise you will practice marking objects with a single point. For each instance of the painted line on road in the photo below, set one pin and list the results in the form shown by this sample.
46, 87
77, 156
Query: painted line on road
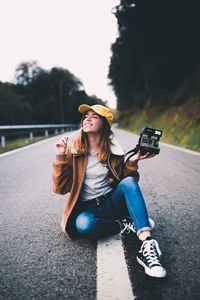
8, 153
113, 281
166, 144
180, 148
23, 148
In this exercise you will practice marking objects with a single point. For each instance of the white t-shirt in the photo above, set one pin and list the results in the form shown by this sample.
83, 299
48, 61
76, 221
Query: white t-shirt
95, 182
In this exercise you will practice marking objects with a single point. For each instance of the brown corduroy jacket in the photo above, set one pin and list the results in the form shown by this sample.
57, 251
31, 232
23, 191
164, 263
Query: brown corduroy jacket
68, 176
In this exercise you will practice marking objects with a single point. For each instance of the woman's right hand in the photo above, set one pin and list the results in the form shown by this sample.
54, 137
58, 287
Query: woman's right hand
61, 145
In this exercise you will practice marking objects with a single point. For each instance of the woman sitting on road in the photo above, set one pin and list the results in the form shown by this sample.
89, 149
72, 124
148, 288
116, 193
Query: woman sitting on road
104, 196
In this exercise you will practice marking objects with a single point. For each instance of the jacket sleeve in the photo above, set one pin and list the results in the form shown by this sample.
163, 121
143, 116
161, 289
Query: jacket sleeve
62, 174
131, 169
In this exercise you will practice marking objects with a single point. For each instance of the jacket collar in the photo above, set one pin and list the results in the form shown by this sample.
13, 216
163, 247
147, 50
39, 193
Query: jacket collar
115, 148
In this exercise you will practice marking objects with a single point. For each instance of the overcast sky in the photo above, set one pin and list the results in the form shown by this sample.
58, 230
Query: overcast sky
73, 34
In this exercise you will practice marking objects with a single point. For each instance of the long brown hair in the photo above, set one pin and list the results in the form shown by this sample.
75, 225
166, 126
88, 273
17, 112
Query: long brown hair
80, 142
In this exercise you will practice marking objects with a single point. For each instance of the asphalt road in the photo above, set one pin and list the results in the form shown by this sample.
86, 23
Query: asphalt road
37, 262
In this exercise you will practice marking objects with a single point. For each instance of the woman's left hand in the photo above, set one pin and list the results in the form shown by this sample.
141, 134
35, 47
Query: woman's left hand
139, 156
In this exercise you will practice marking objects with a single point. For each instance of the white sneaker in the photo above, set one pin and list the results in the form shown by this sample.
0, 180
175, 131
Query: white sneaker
149, 257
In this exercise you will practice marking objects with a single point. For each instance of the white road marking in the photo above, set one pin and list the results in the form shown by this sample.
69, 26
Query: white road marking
35, 144
47, 140
113, 281
166, 144
180, 148
10, 152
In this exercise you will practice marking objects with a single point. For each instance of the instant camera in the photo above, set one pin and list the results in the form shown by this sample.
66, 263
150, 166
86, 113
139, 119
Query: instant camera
148, 142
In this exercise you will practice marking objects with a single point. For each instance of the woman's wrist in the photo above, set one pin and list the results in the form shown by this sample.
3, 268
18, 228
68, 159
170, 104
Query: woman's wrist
133, 161
61, 157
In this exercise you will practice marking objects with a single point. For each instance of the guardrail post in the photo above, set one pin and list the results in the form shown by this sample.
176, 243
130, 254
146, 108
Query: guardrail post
3, 141
46, 133
45, 127
31, 136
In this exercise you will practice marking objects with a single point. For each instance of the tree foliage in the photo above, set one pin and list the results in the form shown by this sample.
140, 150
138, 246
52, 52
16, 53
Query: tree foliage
157, 50
42, 96
26, 72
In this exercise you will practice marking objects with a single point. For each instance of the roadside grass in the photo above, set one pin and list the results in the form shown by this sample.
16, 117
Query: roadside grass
177, 129
21, 142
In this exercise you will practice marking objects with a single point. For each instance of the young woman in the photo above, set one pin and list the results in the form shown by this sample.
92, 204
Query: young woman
104, 197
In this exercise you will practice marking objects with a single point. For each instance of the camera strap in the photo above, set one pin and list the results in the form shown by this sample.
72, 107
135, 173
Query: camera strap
130, 153
148, 142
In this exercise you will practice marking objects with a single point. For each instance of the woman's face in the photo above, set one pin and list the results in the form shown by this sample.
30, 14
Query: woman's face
93, 122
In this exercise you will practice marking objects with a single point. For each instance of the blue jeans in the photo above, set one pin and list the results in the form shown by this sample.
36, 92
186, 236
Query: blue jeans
99, 221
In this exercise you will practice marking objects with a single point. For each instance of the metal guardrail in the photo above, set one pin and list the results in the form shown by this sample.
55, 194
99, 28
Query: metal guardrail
12, 130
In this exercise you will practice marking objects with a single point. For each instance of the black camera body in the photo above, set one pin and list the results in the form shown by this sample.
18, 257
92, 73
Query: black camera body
149, 141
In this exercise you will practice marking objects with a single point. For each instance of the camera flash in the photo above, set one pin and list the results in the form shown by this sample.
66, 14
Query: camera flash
158, 132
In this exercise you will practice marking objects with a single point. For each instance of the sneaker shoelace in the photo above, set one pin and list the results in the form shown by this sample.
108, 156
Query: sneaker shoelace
151, 251
128, 226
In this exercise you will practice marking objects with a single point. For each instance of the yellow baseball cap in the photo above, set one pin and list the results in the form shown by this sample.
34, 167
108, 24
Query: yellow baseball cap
99, 109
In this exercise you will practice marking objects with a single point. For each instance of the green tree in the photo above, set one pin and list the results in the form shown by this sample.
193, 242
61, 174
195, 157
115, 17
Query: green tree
42, 96
13, 108
26, 72
53, 95
156, 52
